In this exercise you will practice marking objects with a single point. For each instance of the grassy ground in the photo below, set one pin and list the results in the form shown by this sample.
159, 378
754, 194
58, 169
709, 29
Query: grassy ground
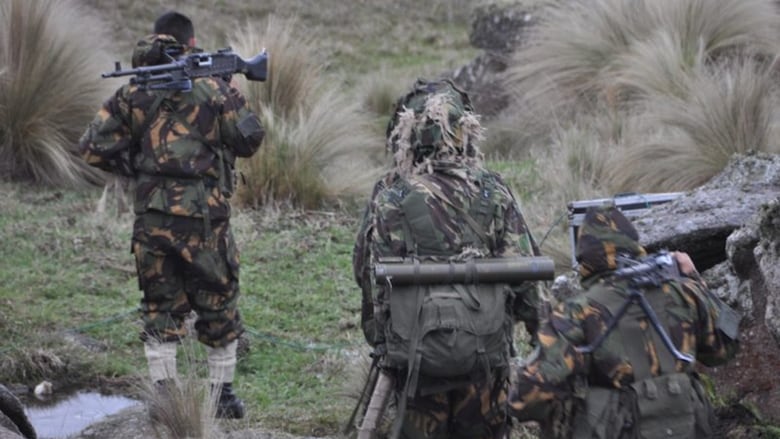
67, 284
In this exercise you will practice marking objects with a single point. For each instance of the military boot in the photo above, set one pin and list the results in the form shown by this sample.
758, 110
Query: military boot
229, 406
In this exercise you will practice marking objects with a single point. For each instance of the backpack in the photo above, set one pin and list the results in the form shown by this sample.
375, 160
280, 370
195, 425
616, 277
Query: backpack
672, 404
445, 330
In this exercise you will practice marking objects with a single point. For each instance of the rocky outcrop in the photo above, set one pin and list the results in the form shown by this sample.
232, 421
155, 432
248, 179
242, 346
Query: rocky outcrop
498, 30
731, 228
702, 220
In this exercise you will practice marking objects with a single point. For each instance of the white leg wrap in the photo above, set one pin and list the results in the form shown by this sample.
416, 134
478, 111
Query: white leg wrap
161, 358
222, 363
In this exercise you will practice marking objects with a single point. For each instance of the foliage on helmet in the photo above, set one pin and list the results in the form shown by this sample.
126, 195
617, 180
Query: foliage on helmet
434, 121
156, 49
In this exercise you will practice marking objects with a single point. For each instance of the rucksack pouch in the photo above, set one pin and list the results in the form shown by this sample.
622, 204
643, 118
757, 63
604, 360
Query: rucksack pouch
666, 406
460, 329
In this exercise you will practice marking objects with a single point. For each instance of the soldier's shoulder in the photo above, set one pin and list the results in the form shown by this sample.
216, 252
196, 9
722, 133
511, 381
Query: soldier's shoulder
212, 85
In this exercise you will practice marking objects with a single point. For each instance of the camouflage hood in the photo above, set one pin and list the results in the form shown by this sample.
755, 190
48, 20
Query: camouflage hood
157, 49
434, 122
604, 234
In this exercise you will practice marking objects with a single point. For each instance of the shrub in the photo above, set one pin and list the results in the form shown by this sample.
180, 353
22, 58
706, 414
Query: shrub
49, 89
317, 140
728, 109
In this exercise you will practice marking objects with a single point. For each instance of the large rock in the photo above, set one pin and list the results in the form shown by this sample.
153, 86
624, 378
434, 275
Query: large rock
498, 30
700, 222
731, 228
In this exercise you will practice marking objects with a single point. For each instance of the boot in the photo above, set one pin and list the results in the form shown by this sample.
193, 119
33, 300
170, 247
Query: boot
229, 406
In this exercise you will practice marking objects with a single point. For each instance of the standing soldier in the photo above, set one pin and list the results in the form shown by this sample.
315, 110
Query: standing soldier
605, 370
445, 346
179, 148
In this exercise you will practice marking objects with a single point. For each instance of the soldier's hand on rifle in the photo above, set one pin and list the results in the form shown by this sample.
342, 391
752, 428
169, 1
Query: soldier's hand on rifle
685, 263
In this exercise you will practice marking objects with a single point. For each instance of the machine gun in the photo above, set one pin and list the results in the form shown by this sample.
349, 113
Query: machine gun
178, 74
632, 205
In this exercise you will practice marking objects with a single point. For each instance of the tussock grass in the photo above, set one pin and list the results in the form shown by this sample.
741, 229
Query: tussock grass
317, 140
186, 408
579, 47
49, 89
623, 95
728, 110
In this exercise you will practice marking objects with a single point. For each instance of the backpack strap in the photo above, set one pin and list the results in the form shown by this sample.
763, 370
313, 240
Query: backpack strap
626, 315
415, 358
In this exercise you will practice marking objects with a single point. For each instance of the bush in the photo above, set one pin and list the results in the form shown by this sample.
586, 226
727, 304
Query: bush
317, 141
49, 89
639, 96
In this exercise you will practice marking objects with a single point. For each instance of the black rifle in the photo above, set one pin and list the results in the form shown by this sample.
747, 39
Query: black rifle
178, 74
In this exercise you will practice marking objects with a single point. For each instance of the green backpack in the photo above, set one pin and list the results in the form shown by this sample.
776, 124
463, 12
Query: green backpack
671, 405
446, 330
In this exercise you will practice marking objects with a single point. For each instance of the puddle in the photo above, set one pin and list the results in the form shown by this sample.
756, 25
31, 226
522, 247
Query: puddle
73, 414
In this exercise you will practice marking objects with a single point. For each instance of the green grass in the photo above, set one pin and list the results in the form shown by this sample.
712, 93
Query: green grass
68, 269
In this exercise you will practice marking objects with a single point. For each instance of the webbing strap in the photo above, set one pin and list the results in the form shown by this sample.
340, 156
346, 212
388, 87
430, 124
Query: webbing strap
415, 358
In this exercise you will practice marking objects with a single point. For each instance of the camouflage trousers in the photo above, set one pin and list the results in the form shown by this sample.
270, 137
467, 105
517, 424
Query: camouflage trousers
183, 267
473, 411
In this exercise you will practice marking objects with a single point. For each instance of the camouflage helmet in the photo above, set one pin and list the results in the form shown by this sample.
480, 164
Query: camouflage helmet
605, 233
156, 49
433, 121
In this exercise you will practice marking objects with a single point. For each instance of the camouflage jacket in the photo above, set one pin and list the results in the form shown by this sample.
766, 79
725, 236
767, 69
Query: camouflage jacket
182, 156
381, 234
690, 317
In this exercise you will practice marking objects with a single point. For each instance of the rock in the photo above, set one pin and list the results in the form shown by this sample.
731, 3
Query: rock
498, 29
501, 28
700, 222
13, 421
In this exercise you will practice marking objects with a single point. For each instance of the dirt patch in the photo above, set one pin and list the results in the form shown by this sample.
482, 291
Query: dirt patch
750, 378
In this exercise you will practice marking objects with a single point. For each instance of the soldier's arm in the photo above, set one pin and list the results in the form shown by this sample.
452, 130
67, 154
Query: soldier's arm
549, 376
513, 238
240, 128
361, 266
107, 142
713, 346
716, 324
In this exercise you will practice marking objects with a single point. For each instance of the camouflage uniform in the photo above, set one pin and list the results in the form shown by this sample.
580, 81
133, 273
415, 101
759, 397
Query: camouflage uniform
553, 387
449, 174
179, 147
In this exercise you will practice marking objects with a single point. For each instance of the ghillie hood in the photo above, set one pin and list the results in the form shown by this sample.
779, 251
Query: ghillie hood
435, 121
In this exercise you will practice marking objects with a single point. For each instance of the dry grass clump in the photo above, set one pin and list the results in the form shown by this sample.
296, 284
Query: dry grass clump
317, 141
49, 89
641, 95
185, 410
